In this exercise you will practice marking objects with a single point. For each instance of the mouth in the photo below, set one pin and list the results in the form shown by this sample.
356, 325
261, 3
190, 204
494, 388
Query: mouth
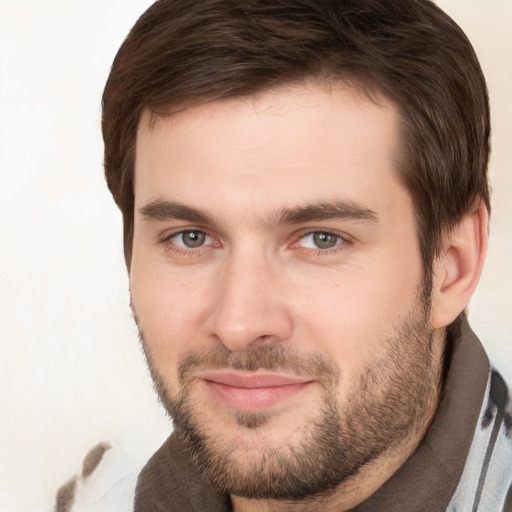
246, 391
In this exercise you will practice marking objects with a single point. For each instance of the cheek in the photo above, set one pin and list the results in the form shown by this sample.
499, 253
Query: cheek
168, 308
353, 315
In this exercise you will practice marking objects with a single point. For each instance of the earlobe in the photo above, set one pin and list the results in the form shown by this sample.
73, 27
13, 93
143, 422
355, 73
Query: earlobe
457, 270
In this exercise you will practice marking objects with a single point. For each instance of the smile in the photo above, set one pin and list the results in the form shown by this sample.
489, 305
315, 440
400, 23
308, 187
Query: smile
252, 392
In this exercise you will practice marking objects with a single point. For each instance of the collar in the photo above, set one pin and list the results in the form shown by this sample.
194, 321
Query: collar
428, 479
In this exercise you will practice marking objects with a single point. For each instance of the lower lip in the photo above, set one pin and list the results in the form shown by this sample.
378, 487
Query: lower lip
253, 399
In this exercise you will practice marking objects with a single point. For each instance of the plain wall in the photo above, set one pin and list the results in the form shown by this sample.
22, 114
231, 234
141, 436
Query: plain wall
71, 371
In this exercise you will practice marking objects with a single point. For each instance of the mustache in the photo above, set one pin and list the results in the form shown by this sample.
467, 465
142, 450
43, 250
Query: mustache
277, 358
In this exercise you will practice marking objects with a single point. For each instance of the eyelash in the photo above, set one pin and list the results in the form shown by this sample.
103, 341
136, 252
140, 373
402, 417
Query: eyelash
343, 242
167, 242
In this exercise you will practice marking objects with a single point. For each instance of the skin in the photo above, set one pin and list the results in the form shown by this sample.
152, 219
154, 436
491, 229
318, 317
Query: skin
258, 277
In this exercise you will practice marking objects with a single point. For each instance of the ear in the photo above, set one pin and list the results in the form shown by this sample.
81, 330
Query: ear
457, 270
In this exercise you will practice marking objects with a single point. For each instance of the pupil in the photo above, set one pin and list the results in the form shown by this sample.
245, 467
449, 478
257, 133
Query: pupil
324, 240
193, 238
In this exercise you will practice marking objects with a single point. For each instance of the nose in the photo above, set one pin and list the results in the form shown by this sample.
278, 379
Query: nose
249, 306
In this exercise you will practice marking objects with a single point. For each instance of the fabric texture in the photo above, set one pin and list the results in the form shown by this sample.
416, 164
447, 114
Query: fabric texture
464, 463
105, 483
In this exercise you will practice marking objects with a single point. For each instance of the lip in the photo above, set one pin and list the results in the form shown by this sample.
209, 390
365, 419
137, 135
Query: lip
252, 391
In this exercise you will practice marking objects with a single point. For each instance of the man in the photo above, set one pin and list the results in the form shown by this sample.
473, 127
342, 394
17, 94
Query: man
305, 203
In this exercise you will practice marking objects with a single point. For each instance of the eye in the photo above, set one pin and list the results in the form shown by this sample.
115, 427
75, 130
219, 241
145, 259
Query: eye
321, 240
191, 239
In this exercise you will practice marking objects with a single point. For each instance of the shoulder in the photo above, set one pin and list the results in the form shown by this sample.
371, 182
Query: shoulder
486, 482
105, 482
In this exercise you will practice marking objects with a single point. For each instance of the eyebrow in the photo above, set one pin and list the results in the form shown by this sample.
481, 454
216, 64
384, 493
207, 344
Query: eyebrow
330, 210
162, 210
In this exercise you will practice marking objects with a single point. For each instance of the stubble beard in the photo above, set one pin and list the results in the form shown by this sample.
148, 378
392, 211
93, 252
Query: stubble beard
386, 406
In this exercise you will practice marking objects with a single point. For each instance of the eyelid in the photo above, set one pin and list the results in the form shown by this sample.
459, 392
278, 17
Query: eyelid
166, 238
345, 240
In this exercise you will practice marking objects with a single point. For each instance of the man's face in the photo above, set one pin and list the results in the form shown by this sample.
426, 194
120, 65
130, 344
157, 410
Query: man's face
277, 282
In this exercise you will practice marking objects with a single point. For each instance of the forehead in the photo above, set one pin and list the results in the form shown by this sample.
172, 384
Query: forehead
275, 149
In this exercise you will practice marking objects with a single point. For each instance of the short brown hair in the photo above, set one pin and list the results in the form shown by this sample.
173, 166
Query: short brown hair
189, 51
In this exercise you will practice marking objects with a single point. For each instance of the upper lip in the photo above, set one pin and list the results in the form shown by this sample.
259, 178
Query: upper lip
244, 379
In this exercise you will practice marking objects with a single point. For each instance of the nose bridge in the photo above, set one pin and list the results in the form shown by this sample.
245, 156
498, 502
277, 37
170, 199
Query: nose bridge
250, 309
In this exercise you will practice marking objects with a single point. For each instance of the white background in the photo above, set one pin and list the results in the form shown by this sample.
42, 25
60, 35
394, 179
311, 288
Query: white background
71, 371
